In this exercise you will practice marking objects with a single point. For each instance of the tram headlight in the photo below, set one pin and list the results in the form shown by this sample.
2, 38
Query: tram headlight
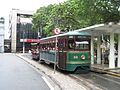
83, 57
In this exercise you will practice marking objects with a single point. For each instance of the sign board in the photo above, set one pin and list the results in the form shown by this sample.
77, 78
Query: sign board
56, 31
22, 40
29, 40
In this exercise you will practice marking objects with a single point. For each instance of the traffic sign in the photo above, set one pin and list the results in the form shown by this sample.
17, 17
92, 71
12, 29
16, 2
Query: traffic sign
56, 31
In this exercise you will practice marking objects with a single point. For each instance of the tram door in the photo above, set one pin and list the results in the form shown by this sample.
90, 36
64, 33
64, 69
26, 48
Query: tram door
62, 54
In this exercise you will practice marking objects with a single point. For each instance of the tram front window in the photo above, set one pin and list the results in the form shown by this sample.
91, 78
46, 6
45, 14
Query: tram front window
82, 45
78, 45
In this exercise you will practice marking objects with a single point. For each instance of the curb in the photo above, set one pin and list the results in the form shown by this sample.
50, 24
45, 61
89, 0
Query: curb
114, 74
105, 72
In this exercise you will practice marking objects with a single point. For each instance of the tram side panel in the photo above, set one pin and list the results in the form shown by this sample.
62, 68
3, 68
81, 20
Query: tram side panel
47, 56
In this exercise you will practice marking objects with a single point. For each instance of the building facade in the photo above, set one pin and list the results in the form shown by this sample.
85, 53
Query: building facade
20, 25
2, 28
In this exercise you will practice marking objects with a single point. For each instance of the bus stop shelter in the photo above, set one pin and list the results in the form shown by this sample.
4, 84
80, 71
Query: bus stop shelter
97, 31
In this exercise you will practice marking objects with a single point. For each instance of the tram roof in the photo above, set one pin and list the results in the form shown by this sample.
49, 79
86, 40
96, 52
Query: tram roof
69, 34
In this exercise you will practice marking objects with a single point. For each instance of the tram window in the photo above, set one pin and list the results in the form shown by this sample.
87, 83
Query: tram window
52, 44
61, 43
82, 45
86, 46
42, 46
71, 44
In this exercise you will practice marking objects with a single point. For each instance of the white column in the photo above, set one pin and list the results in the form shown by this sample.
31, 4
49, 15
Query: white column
118, 64
14, 27
98, 51
112, 51
92, 51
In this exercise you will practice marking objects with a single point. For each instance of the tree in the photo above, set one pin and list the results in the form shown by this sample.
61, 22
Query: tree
75, 14
108, 9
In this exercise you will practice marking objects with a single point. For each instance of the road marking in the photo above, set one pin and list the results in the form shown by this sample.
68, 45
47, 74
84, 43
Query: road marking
50, 86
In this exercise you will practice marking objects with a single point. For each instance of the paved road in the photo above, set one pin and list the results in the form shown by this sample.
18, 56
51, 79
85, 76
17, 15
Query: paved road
106, 82
15, 74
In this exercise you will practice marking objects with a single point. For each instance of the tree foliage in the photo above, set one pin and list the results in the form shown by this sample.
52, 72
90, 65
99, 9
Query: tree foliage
75, 14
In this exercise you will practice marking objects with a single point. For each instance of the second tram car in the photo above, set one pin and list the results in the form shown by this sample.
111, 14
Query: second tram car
35, 51
72, 50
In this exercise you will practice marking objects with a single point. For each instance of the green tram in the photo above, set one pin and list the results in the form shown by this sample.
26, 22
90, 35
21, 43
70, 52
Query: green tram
72, 50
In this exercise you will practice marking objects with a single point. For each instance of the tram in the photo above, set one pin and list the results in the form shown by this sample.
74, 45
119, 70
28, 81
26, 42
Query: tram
35, 51
69, 51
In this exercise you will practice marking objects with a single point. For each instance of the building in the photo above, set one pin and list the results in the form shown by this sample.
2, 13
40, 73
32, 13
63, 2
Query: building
20, 26
2, 28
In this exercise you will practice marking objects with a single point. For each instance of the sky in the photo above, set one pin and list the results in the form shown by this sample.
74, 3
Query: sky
30, 5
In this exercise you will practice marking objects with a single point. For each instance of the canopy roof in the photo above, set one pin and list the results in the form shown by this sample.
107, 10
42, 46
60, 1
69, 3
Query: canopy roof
99, 29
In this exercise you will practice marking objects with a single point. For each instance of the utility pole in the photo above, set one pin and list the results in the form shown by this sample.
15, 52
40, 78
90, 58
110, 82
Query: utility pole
23, 42
55, 63
23, 28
